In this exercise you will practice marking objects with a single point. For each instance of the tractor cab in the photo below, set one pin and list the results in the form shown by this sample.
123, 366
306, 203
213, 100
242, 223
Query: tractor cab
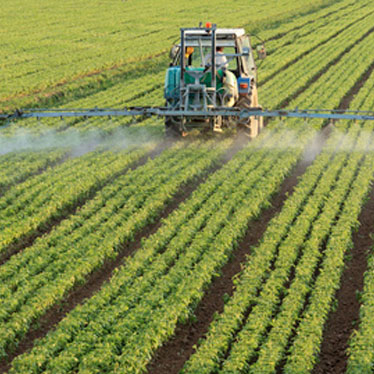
210, 68
235, 45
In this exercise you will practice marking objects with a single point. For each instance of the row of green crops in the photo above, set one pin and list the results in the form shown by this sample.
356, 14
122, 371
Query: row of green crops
223, 330
41, 275
276, 91
146, 90
306, 344
311, 24
361, 347
264, 335
278, 30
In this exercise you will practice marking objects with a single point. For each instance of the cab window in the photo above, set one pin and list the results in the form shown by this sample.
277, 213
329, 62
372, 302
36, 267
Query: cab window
233, 62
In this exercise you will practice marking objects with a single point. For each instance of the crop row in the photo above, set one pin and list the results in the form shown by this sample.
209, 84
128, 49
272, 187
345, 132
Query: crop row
305, 346
312, 24
42, 274
304, 350
361, 346
155, 98
137, 91
302, 353
279, 31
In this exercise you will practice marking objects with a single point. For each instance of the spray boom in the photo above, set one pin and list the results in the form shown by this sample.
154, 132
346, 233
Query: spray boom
169, 112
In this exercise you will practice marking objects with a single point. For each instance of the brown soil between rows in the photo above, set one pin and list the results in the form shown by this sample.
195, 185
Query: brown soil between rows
171, 357
95, 281
341, 323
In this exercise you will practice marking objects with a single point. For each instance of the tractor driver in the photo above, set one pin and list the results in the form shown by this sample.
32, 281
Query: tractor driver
221, 60
230, 84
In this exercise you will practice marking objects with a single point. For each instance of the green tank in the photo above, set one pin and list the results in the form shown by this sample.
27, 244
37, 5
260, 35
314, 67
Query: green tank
172, 81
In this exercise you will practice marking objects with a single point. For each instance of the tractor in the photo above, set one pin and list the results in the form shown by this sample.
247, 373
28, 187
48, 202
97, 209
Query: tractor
212, 68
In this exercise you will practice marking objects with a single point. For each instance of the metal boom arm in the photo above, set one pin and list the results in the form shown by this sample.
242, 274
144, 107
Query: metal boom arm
169, 112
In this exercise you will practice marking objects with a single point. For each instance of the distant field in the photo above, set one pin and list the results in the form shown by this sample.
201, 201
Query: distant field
51, 47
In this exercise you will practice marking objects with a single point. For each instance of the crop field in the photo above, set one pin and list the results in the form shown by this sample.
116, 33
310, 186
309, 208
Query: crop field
122, 251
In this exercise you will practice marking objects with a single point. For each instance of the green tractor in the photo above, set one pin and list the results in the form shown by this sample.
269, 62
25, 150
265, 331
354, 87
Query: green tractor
211, 69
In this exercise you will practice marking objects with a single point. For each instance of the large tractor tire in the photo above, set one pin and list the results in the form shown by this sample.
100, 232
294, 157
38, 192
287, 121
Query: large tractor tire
253, 125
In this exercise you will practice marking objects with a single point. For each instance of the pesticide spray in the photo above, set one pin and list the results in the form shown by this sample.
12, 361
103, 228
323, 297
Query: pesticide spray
76, 142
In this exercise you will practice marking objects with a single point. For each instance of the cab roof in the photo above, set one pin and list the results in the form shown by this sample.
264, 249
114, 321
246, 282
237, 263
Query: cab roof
219, 32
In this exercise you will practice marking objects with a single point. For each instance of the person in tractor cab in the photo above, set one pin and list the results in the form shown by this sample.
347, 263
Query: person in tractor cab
221, 60
229, 94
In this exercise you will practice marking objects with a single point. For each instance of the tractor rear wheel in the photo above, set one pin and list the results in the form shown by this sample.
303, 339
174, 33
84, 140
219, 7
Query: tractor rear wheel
253, 124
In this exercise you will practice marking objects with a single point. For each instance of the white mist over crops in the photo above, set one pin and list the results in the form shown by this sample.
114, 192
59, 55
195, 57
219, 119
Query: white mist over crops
77, 142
